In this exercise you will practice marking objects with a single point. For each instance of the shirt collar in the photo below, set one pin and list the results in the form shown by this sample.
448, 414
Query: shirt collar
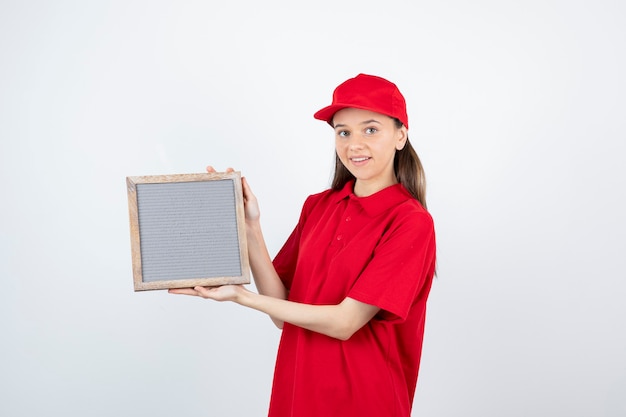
376, 203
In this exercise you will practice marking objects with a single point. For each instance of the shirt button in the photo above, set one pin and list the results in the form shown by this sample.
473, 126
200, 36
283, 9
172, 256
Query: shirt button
348, 218
339, 237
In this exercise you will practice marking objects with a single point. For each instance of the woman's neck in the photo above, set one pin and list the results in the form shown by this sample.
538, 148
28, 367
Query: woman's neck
363, 188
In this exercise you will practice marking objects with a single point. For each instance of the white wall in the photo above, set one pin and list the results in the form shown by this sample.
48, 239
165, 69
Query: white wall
517, 110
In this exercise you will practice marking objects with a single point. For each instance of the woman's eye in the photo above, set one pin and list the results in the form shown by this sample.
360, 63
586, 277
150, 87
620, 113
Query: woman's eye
371, 130
342, 133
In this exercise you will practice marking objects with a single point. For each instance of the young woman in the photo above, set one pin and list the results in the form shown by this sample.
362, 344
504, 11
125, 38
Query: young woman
350, 285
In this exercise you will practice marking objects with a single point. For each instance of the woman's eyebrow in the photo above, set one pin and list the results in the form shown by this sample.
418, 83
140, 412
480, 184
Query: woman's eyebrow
365, 122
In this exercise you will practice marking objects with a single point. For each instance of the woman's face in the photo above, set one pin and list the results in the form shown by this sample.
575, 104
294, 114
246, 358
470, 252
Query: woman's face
366, 143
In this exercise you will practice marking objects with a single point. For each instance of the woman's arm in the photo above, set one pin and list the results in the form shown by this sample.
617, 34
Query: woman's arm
265, 277
339, 321
267, 281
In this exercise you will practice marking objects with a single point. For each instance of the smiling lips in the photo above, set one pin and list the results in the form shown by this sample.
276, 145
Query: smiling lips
359, 159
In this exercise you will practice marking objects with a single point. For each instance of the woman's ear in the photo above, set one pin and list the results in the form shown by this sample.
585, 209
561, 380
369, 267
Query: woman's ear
402, 135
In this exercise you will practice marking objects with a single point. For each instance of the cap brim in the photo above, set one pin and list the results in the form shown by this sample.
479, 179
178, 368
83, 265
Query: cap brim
326, 114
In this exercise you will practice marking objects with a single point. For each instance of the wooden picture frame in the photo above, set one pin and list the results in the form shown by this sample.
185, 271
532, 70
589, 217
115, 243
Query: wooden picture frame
187, 230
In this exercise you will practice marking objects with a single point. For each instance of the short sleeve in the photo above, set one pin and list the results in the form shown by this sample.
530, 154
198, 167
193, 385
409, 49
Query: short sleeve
401, 266
287, 258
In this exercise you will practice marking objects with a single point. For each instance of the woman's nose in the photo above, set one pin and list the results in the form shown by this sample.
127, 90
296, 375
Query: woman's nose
356, 142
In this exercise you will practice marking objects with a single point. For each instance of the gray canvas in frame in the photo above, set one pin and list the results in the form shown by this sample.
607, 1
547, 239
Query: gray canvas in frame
188, 230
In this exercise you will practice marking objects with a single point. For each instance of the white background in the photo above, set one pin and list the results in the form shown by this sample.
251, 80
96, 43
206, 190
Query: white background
517, 109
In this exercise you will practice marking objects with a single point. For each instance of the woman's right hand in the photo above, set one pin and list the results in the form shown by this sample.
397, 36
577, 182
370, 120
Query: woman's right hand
251, 205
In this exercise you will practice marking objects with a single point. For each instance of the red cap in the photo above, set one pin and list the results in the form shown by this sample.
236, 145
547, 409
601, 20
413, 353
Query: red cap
367, 92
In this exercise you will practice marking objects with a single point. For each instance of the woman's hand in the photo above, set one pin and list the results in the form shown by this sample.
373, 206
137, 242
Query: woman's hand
251, 205
223, 293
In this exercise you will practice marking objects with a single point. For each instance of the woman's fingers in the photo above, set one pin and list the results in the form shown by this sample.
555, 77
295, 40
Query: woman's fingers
251, 204
183, 291
204, 292
212, 170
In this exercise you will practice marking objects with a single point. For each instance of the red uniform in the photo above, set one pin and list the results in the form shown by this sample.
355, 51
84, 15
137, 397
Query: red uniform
379, 250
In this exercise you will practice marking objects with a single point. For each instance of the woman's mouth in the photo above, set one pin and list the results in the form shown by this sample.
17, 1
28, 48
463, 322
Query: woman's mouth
359, 159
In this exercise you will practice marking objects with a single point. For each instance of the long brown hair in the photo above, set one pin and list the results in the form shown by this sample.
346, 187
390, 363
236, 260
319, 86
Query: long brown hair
406, 165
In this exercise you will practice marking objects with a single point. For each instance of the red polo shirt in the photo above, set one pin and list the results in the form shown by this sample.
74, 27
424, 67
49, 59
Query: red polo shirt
379, 250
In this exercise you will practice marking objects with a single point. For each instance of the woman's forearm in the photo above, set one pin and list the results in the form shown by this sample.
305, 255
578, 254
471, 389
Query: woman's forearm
338, 321
266, 279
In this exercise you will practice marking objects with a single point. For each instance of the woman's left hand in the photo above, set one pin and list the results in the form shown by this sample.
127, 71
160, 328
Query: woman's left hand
222, 293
